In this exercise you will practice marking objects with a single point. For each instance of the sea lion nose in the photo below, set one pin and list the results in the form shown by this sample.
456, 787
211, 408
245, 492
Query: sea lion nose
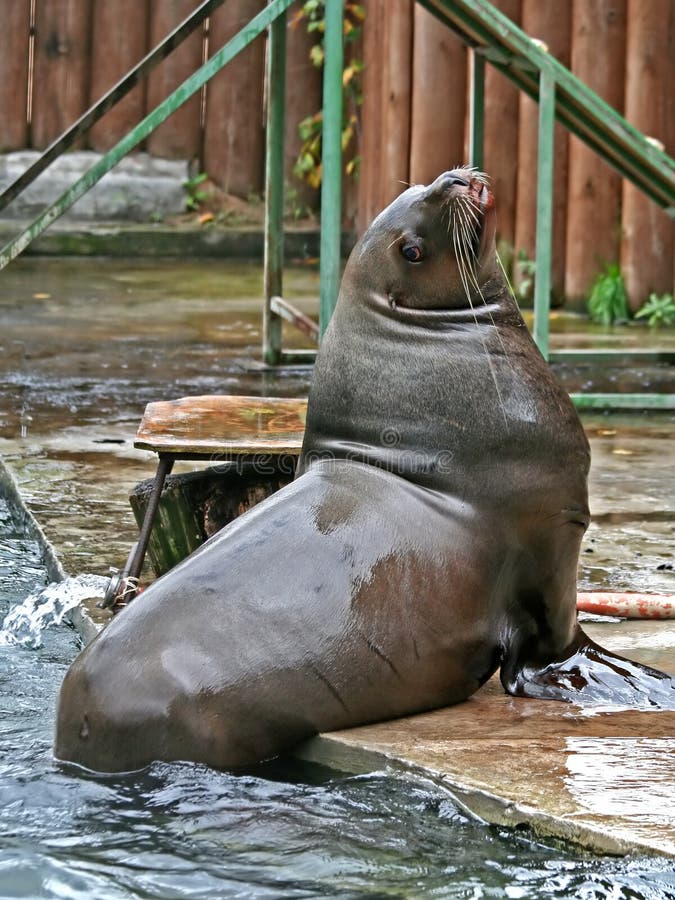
446, 181
453, 178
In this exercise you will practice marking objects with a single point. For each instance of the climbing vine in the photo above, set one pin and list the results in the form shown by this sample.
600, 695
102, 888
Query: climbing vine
308, 164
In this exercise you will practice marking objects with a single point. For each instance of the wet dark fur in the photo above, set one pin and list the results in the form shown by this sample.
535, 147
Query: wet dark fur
432, 534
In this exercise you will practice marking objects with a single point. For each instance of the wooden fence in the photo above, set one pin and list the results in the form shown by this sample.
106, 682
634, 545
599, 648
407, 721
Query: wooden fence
413, 121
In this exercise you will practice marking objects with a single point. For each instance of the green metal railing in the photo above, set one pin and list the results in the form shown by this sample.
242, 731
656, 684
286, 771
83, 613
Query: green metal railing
275, 309
110, 99
183, 93
272, 17
494, 38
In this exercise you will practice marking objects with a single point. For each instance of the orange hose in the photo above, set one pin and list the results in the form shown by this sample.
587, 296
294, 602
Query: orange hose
628, 605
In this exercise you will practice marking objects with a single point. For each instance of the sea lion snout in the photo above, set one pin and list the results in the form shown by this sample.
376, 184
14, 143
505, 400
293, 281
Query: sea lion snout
447, 180
449, 184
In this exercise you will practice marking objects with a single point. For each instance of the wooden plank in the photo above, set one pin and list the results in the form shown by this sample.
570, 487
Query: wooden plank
438, 99
119, 41
594, 189
15, 18
647, 232
303, 99
62, 61
386, 105
372, 113
550, 22
354, 50
234, 133
501, 139
217, 425
180, 137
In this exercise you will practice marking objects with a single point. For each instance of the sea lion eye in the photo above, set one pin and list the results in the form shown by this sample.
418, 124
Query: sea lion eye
412, 252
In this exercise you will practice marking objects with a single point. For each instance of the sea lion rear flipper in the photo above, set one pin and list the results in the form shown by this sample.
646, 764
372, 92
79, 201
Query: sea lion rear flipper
591, 675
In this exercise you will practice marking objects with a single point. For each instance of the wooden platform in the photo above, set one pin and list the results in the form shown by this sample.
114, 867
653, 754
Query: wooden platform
217, 426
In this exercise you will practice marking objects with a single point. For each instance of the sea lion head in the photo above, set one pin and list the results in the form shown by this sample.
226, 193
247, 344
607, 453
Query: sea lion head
433, 248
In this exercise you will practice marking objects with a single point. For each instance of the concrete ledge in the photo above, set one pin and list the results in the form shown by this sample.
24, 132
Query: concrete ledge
153, 241
604, 781
138, 187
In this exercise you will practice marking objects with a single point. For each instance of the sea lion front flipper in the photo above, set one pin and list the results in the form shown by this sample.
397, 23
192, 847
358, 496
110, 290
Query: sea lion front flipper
591, 675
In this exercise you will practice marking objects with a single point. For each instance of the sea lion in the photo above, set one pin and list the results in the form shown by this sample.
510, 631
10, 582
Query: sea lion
431, 536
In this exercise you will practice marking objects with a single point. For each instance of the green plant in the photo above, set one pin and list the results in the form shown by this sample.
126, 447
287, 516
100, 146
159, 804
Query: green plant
525, 272
607, 301
308, 164
293, 206
658, 310
195, 197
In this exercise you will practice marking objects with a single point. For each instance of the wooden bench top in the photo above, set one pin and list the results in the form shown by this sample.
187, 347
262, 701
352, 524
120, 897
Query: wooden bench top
222, 425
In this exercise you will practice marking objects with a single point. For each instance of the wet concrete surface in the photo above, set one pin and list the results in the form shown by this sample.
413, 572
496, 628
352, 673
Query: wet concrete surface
606, 781
86, 344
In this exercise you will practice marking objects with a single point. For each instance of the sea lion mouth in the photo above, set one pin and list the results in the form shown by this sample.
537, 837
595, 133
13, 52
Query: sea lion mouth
481, 202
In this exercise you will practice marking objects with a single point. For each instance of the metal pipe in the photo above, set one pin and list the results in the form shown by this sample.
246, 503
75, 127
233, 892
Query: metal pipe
162, 112
543, 244
110, 99
331, 162
125, 587
274, 188
295, 317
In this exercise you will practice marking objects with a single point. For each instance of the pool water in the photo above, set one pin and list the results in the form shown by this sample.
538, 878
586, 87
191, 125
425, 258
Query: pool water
285, 830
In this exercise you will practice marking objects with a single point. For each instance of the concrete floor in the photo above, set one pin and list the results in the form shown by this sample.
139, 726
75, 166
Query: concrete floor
81, 358
604, 780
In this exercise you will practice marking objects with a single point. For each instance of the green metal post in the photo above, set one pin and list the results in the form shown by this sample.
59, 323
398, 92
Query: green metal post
331, 163
545, 152
274, 188
477, 110
186, 90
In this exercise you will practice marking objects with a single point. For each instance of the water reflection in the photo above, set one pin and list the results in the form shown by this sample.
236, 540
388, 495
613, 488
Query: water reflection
628, 777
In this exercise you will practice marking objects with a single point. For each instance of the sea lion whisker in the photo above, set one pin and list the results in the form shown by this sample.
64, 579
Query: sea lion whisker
469, 207
463, 273
456, 241
469, 236
470, 216
497, 331
506, 279
476, 174
456, 237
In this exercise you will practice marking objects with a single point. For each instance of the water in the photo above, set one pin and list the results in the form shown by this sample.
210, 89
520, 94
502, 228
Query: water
281, 831
26, 621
